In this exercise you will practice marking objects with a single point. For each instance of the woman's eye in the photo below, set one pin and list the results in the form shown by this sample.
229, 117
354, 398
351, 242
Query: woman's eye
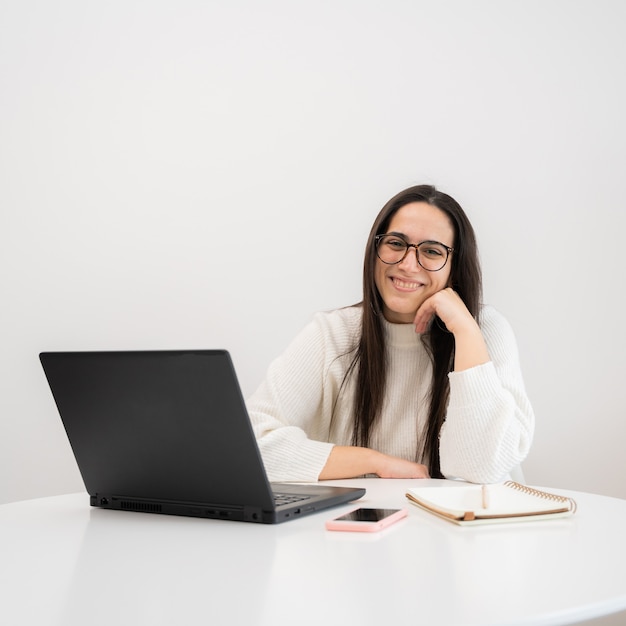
432, 252
396, 244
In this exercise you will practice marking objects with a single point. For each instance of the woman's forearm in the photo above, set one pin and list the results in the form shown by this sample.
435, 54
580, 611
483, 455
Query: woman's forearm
352, 461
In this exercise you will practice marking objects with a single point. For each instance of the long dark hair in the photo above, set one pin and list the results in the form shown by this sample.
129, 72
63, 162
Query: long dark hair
370, 362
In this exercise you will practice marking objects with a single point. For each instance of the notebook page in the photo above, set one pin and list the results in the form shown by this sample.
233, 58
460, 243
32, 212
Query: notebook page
501, 500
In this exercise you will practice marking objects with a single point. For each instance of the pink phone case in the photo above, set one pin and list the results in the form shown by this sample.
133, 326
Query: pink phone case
366, 527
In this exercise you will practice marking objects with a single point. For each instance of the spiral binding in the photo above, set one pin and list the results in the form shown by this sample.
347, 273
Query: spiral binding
542, 494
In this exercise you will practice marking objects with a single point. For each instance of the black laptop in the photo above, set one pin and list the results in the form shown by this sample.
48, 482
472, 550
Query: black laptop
168, 432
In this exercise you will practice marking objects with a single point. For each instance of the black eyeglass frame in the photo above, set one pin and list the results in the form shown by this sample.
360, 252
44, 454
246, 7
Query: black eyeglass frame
408, 245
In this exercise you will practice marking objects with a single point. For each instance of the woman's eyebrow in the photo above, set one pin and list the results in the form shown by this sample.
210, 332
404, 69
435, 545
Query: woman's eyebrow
395, 233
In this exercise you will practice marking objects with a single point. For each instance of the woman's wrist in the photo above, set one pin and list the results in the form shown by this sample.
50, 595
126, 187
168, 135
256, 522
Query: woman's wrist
470, 348
349, 462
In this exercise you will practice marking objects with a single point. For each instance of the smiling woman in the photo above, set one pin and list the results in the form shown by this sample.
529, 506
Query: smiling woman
418, 379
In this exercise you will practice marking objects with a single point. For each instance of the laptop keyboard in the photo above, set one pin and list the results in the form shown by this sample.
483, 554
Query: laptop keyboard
288, 498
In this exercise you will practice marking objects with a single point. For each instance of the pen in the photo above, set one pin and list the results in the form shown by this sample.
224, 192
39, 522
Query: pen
485, 491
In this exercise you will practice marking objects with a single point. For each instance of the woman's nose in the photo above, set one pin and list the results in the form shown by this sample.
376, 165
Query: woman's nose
410, 262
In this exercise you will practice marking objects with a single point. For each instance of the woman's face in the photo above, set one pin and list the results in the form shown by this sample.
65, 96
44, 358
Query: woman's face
406, 285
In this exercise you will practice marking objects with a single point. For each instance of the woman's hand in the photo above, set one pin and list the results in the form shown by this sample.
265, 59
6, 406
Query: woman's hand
448, 306
470, 347
353, 461
394, 467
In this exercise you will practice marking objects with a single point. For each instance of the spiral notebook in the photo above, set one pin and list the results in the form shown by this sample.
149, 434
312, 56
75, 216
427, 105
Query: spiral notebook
484, 504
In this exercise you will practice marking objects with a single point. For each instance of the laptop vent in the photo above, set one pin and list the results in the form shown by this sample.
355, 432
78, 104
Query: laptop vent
145, 507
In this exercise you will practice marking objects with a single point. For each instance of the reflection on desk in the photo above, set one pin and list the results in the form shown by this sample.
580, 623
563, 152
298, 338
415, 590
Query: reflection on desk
67, 564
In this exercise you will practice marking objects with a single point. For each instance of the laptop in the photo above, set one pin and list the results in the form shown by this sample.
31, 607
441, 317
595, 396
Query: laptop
168, 432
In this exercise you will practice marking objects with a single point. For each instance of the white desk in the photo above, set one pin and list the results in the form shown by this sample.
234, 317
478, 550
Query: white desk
64, 563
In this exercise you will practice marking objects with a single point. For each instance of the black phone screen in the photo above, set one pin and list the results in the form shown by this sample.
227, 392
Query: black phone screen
367, 515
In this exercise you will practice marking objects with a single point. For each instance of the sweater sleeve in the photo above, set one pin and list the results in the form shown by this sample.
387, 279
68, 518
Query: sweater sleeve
490, 423
286, 410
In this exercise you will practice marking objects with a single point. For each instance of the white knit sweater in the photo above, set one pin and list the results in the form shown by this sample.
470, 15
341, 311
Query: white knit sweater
489, 423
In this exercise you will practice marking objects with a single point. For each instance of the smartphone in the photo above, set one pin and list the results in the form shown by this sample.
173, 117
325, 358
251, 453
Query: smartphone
366, 520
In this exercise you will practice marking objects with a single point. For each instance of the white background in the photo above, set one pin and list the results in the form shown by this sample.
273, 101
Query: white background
202, 174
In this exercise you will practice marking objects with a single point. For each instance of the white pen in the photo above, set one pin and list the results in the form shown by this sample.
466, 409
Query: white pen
485, 491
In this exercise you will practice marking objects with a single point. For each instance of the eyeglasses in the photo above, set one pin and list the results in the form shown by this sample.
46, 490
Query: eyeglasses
431, 255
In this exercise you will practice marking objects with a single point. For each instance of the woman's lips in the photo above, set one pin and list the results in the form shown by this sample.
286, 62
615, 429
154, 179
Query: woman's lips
405, 285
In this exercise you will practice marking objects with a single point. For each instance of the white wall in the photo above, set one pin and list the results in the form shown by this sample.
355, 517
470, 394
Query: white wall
204, 174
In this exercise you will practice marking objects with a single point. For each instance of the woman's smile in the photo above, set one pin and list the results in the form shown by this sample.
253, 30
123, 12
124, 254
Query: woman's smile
404, 284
